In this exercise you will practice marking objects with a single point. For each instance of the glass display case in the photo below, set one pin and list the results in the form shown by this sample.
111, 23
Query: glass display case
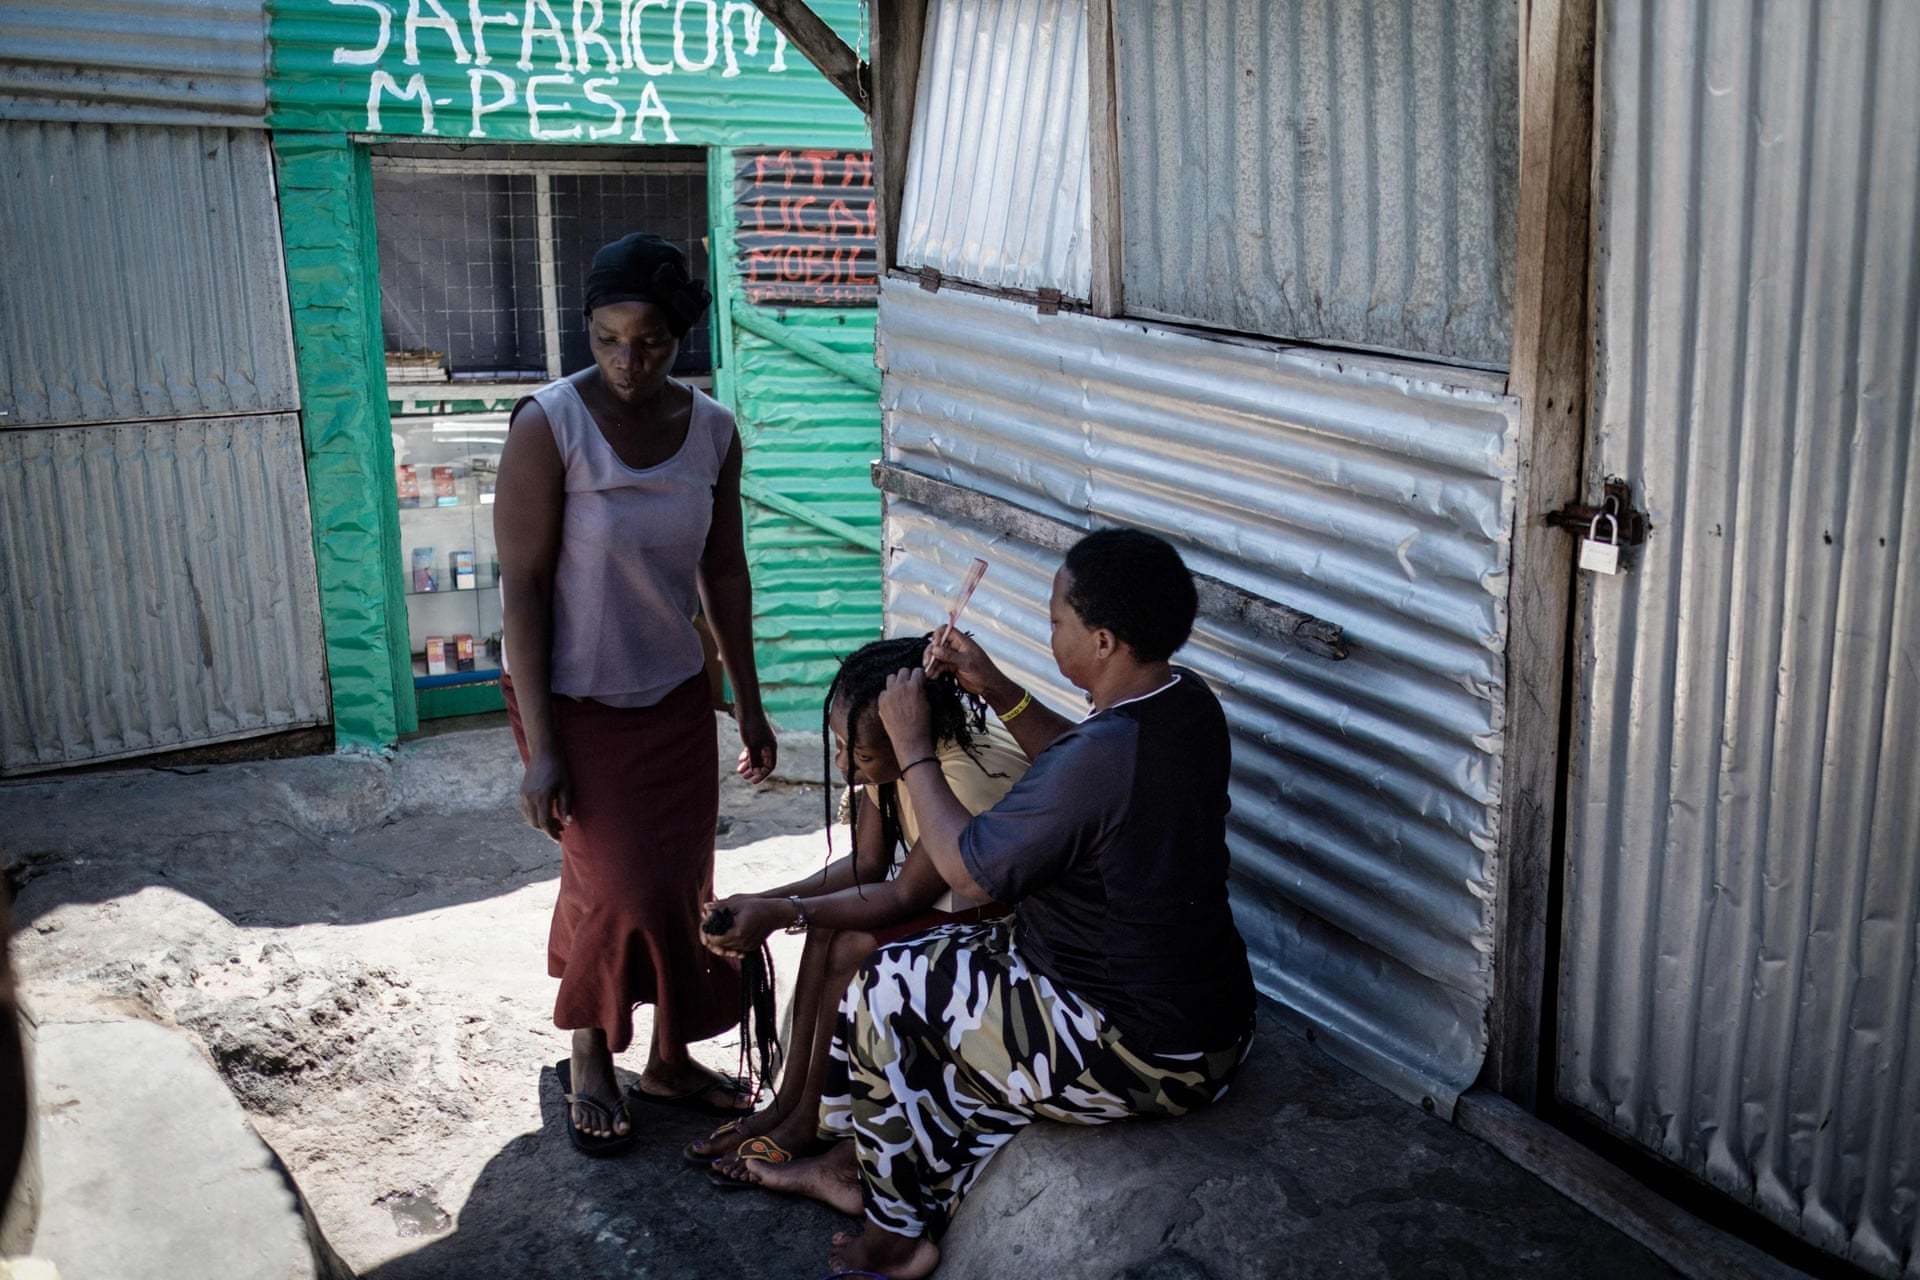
444, 470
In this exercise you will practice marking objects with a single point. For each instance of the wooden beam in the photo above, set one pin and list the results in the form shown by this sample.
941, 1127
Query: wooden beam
899, 34
823, 47
1549, 377
1691, 1247
1103, 142
1218, 600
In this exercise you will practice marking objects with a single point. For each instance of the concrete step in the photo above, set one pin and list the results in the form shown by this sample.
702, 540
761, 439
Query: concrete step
150, 1170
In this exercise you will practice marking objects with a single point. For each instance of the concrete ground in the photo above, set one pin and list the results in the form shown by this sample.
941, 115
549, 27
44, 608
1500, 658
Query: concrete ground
358, 945
117, 1094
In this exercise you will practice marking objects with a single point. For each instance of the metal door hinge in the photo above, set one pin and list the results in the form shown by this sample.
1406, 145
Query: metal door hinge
1049, 302
1616, 504
930, 279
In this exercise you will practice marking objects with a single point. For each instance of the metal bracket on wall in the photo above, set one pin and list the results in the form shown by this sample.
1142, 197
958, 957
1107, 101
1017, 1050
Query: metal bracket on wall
930, 279
1049, 302
1220, 601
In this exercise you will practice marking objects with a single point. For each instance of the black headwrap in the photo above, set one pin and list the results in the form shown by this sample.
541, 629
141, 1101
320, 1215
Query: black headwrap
645, 268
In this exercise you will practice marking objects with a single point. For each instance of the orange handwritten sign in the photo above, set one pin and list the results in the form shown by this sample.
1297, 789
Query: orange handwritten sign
806, 224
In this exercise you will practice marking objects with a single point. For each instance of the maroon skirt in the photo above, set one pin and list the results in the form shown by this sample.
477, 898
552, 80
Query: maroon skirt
636, 862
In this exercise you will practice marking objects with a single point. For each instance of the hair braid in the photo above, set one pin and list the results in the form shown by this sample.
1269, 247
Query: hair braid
955, 716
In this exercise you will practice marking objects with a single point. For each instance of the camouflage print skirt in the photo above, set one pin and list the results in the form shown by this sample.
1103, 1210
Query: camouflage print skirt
949, 1045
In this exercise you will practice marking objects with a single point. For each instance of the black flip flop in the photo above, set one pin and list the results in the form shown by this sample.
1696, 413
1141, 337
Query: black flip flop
588, 1144
694, 1099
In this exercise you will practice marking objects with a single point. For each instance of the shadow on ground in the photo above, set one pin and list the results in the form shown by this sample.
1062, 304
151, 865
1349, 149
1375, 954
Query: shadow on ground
1305, 1171
539, 1208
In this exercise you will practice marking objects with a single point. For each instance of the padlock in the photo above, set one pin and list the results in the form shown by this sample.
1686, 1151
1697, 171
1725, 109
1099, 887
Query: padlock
1596, 555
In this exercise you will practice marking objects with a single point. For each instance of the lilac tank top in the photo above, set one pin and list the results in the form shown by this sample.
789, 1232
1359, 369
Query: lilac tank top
624, 590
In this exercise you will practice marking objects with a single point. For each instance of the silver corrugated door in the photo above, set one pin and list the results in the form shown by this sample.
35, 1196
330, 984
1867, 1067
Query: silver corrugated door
157, 584
1743, 889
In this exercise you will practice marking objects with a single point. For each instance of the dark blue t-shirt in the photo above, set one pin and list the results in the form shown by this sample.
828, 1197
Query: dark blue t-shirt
1112, 850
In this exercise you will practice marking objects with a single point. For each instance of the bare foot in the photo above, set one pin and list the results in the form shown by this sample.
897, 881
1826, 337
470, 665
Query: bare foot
833, 1179
593, 1078
896, 1257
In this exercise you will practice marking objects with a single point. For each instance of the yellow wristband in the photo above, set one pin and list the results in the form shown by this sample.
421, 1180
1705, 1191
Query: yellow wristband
1019, 708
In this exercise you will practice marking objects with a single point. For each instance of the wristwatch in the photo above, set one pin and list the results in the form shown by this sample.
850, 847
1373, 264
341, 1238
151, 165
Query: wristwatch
800, 922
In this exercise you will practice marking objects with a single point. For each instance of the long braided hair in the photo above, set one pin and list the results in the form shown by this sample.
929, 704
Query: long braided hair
955, 716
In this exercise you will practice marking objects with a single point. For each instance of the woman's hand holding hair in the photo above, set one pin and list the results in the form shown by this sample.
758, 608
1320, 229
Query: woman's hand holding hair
903, 711
754, 920
956, 654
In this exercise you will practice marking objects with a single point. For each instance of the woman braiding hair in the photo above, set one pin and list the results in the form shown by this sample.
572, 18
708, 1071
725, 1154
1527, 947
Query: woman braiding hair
882, 891
957, 717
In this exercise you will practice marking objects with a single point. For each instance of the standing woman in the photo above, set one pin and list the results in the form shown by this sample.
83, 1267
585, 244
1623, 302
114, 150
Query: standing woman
617, 515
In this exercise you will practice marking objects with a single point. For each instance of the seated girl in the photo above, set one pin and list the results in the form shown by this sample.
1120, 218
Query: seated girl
885, 890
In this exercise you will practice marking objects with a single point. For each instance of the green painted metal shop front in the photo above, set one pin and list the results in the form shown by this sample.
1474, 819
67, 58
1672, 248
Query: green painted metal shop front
443, 171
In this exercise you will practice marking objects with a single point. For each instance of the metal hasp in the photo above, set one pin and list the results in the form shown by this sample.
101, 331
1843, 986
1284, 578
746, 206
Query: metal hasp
1617, 503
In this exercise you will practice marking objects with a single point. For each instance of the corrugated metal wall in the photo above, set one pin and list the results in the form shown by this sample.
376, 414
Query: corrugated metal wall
1366, 791
134, 61
144, 277
159, 575
808, 435
1333, 172
159, 586
997, 185
1743, 894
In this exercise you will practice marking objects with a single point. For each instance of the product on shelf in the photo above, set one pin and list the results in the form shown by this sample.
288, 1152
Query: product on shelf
493, 648
486, 490
445, 493
436, 655
460, 563
463, 653
423, 579
409, 484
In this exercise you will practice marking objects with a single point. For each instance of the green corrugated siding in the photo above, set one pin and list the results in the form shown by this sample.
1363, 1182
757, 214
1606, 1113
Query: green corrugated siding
326, 227
704, 105
317, 100
809, 435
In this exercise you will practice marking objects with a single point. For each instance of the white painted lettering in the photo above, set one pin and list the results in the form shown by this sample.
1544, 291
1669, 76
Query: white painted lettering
365, 57
652, 108
416, 89
552, 31
481, 107
680, 36
441, 21
535, 107
479, 22
751, 21
635, 39
585, 36
592, 90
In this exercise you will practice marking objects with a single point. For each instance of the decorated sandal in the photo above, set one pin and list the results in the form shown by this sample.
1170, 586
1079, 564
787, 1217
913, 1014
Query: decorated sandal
765, 1150
695, 1157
